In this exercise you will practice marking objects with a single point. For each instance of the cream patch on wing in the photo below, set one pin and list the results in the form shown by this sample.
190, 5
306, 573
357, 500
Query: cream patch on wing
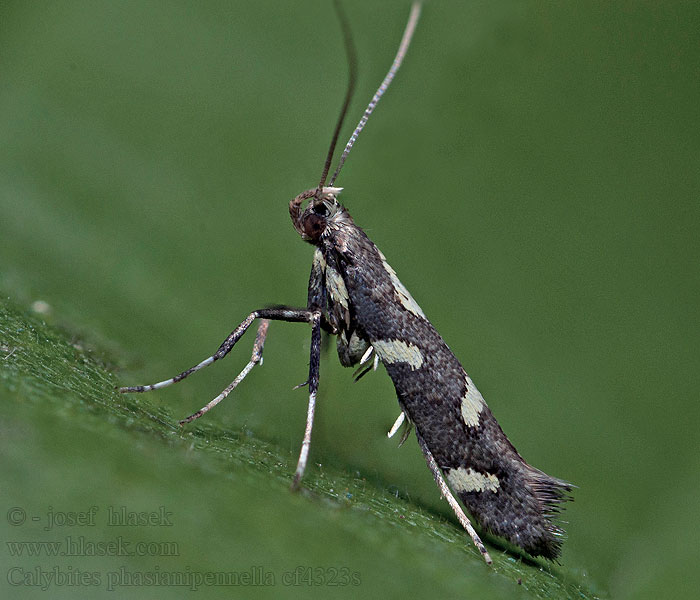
336, 287
393, 351
472, 404
319, 260
404, 295
469, 480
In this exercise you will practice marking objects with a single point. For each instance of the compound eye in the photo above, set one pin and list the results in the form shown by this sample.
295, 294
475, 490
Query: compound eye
314, 226
321, 209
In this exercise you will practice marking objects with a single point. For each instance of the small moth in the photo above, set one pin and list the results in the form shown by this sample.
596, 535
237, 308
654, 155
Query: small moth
355, 295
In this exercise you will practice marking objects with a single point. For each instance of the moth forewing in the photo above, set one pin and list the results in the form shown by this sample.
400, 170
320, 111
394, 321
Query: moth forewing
456, 429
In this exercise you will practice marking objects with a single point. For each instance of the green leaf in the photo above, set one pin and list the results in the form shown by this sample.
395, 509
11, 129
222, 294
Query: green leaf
71, 442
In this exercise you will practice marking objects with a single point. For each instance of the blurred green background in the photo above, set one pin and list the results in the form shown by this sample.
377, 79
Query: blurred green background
533, 176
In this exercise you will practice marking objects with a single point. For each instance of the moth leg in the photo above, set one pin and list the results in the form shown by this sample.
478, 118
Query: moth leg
395, 427
255, 358
407, 426
314, 364
293, 315
447, 494
368, 353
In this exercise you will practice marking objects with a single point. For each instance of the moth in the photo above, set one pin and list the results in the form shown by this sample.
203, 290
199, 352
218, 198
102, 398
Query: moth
355, 295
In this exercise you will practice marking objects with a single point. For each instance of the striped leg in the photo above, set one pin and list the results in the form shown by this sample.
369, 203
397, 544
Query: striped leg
314, 363
407, 426
255, 358
447, 494
293, 315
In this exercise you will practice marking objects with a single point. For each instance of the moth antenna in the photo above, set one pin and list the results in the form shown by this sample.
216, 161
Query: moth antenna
403, 47
352, 78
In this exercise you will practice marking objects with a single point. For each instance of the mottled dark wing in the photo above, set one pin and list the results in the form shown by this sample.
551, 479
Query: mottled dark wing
506, 495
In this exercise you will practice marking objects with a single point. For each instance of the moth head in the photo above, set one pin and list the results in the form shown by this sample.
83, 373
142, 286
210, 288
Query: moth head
312, 221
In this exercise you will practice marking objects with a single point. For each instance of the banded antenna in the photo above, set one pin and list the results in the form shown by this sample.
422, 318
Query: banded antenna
352, 76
